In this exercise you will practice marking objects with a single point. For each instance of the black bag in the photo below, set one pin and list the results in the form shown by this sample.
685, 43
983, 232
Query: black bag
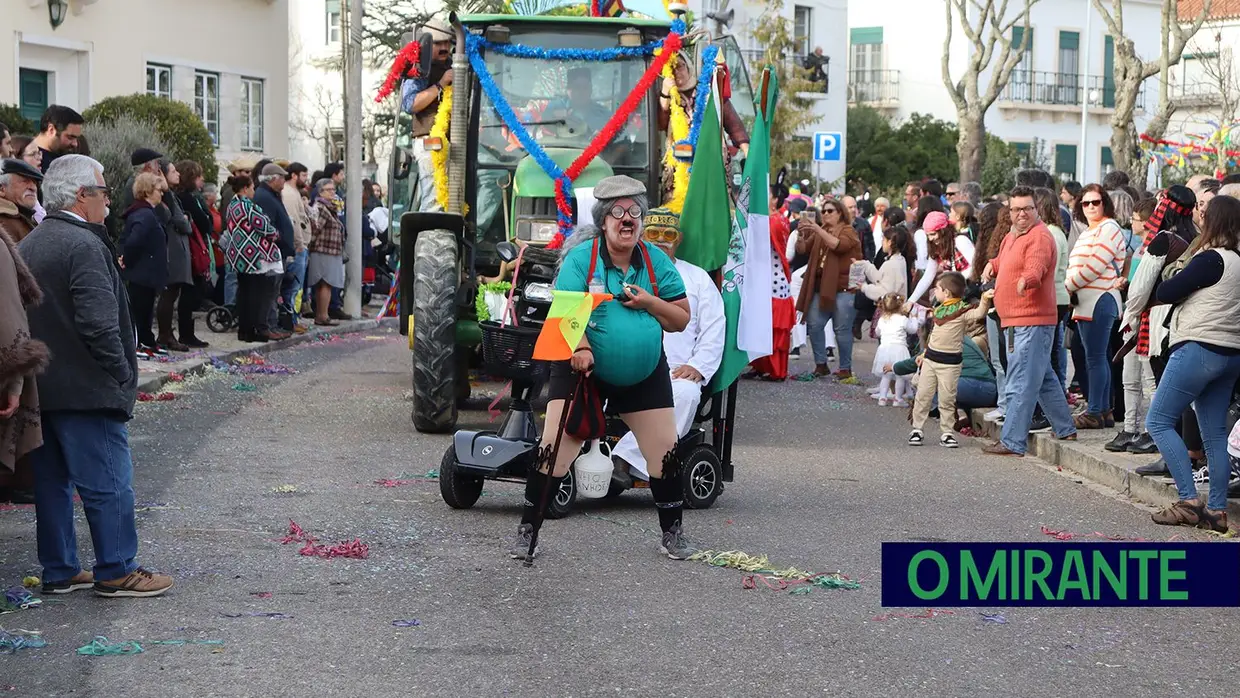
585, 412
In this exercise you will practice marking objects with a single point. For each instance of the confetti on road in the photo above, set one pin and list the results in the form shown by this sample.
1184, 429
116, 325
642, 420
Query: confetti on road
13, 640
31, 582
759, 568
19, 599
175, 377
181, 643
245, 387
998, 618
312, 548
261, 594
407, 623
284, 489
252, 364
930, 613
156, 397
101, 646
257, 614
1070, 535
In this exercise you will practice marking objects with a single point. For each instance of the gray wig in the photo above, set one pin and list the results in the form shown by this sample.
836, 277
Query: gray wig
586, 232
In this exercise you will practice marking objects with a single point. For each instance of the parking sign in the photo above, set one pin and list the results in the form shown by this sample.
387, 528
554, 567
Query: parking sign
827, 146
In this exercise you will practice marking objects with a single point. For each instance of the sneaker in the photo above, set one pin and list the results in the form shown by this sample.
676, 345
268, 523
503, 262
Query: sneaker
916, 438
1157, 468
675, 545
1233, 482
139, 583
1143, 444
900, 403
521, 544
1039, 423
948, 441
152, 351
78, 582
883, 402
1121, 442
1201, 473
993, 415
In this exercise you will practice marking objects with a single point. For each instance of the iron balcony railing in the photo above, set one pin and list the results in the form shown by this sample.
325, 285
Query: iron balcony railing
796, 64
873, 86
1064, 89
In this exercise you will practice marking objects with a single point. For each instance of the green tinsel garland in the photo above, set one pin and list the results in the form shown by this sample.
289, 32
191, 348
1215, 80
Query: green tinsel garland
480, 303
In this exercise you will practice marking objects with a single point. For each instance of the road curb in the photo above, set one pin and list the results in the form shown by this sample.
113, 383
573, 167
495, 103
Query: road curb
200, 364
1088, 460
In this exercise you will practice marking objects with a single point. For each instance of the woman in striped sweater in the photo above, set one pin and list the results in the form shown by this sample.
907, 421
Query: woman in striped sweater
1093, 284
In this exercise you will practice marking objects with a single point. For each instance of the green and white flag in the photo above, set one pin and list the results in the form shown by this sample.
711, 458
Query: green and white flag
747, 277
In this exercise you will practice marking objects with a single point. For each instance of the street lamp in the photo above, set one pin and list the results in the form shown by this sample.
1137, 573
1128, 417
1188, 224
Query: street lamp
56, 11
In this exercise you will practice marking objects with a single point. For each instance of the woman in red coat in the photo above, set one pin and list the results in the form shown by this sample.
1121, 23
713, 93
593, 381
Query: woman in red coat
783, 305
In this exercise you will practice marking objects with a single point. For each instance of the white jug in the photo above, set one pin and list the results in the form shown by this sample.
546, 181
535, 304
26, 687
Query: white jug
592, 470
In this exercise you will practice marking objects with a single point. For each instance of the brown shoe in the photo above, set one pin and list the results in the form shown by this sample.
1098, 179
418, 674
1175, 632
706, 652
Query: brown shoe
822, 370
138, 583
81, 580
277, 335
1086, 420
1214, 521
1182, 513
299, 329
1069, 437
998, 449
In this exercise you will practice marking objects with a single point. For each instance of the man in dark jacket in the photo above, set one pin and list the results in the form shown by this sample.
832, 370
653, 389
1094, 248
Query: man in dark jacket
88, 391
19, 182
268, 197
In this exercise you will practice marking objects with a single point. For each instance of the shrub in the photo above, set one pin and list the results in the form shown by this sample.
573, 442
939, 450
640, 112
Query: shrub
177, 125
113, 143
12, 117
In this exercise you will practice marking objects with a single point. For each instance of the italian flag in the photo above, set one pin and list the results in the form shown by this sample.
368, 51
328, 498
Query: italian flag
747, 278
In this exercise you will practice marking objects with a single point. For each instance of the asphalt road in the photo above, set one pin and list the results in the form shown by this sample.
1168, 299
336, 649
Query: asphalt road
823, 476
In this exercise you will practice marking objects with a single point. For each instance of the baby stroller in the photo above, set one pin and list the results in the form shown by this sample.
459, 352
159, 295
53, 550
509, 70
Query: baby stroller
221, 319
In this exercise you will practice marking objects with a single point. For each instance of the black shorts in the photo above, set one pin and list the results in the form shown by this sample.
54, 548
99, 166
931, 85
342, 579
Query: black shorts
652, 393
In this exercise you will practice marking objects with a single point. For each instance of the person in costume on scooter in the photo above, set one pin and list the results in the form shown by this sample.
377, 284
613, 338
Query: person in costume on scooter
693, 354
621, 351
420, 97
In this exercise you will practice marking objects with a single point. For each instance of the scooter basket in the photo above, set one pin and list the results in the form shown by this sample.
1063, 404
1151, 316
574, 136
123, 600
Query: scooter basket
508, 351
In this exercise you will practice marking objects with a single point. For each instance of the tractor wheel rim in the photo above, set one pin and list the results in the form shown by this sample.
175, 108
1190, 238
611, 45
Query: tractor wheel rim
702, 479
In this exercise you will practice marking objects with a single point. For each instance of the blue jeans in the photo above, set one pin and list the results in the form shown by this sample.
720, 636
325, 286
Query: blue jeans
1203, 378
1031, 381
294, 283
1096, 338
993, 337
230, 286
972, 393
816, 320
1060, 347
91, 452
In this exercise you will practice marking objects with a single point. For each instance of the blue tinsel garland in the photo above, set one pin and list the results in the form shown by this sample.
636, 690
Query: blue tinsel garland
703, 91
570, 54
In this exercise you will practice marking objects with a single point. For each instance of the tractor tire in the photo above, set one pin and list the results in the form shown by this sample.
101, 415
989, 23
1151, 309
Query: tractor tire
435, 278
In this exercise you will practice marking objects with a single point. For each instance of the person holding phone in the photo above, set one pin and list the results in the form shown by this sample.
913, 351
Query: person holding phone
832, 245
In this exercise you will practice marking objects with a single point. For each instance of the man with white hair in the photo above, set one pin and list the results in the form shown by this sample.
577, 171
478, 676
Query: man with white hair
19, 193
1232, 190
87, 394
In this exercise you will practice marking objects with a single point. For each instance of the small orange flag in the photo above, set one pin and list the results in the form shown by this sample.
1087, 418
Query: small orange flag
566, 324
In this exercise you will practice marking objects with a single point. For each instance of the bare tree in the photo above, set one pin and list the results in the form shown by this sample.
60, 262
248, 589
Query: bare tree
320, 118
1219, 69
1131, 71
986, 25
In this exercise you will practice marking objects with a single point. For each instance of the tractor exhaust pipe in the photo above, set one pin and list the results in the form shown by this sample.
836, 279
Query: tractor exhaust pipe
458, 133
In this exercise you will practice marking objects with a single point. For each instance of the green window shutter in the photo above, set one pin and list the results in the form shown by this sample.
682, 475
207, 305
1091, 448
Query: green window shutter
1017, 34
1108, 159
1022, 150
1065, 161
1108, 73
1070, 41
866, 35
332, 5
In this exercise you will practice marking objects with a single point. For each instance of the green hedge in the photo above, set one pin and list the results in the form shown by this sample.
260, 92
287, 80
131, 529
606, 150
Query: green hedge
180, 128
12, 117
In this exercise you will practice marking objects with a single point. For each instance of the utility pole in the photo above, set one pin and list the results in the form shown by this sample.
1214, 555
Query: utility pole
353, 157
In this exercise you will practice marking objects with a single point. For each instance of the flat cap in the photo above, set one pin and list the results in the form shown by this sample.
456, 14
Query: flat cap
618, 187
439, 30
20, 167
141, 156
272, 169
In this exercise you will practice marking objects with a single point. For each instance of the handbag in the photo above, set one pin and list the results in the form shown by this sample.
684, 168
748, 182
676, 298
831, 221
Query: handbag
585, 411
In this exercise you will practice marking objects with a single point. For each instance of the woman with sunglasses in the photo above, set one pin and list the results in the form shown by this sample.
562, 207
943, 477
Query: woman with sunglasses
621, 351
1093, 283
832, 248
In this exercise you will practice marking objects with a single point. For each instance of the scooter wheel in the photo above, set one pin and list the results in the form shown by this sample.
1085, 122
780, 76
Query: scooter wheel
562, 501
458, 491
701, 476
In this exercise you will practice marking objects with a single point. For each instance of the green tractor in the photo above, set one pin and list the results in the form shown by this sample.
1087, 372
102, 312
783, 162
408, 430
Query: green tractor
497, 192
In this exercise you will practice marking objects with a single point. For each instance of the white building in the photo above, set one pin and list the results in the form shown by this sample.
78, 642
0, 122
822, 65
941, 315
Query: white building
1207, 73
894, 65
228, 59
815, 24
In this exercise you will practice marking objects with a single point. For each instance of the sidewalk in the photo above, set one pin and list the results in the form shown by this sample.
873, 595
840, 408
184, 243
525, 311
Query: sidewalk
1087, 458
153, 373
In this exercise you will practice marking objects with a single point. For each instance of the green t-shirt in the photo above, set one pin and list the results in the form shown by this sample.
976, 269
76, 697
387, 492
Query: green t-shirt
627, 342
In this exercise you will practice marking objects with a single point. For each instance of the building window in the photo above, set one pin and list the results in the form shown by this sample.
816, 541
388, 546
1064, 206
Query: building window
1065, 162
159, 80
1108, 72
1108, 160
333, 21
335, 153
251, 114
1020, 87
1024, 151
866, 48
802, 30
207, 103
1069, 77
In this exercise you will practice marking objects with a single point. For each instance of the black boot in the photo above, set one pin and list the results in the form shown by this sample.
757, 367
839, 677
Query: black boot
1121, 442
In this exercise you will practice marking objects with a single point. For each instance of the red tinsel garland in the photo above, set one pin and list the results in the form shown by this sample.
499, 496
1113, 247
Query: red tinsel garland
1196, 148
671, 45
406, 64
